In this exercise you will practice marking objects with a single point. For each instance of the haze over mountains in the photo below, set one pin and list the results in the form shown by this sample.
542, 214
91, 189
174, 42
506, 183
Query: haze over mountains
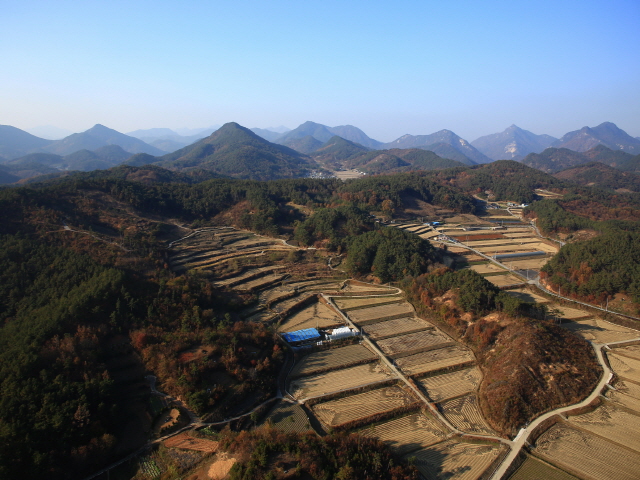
278, 152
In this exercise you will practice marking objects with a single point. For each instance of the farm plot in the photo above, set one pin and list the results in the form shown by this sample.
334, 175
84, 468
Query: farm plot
453, 459
349, 303
505, 242
624, 366
464, 413
587, 455
435, 360
515, 248
363, 405
187, 442
353, 288
260, 282
505, 280
289, 417
568, 312
338, 380
246, 275
429, 234
612, 423
365, 316
527, 296
450, 385
632, 351
487, 267
534, 468
408, 433
626, 394
599, 331
398, 326
534, 263
316, 315
412, 343
332, 359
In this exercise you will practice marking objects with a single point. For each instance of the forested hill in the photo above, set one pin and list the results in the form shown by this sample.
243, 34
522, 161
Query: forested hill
237, 152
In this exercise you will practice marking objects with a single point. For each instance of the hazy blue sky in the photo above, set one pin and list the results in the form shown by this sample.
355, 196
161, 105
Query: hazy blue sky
390, 68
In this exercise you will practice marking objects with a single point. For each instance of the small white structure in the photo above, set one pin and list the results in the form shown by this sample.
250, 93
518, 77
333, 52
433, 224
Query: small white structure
342, 332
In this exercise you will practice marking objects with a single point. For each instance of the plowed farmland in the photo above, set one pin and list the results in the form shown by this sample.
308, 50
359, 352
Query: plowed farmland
363, 405
349, 303
408, 433
411, 343
434, 360
526, 295
586, 455
533, 469
364, 316
450, 385
632, 351
288, 417
487, 268
397, 326
332, 359
624, 366
186, 441
338, 380
599, 331
317, 314
464, 413
626, 394
452, 459
505, 280
612, 423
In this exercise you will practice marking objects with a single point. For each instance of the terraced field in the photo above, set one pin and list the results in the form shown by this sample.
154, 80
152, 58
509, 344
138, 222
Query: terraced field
332, 359
625, 367
363, 405
315, 315
453, 459
612, 423
600, 331
398, 326
586, 455
533, 469
349, 303
450, 385
569, 313
338, 380
404, 345
289, 417
408, 433
487, 268
365, 316
528, 247
505, 280
632, 351
526, 295
626, 394
464, 413
434, 360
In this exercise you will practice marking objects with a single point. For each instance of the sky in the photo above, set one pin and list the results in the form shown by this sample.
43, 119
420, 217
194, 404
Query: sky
389, 68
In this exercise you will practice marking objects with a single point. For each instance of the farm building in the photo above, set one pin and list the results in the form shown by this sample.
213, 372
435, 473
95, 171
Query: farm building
341, 332
302, 337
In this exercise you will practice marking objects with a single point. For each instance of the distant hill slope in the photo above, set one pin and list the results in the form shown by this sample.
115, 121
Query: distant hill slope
600, 175
434, 142
607, 134
304, 145
398, 160
324, 133
556, 159
6, 176
268, 135
512, 144
236, 151
96, 137
335, 151
15, 143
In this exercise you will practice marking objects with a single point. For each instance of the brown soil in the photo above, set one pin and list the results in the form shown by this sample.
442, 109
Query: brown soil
221, 466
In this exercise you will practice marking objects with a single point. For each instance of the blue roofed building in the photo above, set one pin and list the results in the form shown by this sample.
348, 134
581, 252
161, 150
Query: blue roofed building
302, 337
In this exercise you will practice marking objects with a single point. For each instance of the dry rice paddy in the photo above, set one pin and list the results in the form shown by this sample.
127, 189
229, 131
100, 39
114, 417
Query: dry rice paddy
586, 455
626, 394
535, 469
364, 316
599, 331
452, 459
624, 366
314, 315
408, 433
464, 413
411, 343
612, 423
632, 351
568, 312
434, 360
398, 326
487, 268
332, 359
527, 296
186, 441
450, 385
505, 280
347, 303
338, 380
363, 405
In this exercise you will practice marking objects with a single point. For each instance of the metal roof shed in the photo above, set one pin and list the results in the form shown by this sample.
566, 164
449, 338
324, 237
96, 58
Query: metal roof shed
301, 335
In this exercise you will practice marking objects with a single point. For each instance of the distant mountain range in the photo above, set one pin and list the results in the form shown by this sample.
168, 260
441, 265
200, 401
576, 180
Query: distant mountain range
607, 134
553, 160
513, 144
322, 133
168, 140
